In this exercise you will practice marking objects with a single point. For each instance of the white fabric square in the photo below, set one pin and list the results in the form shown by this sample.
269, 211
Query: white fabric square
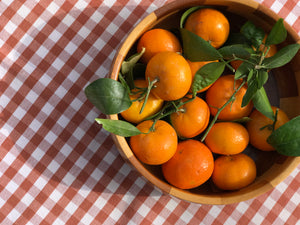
38, 154
4, 100
87, 219
42, 51
22, 142
9, 158
53, 8
13, 215
25, 170
23, 11
10, 27
68, 20
27, 199
42, 212
276, 6
63, 121
116, 214
35, 125
55, 195
12, 186
70, 48
71, 208
53, 166
16, 84
40, 183
32, 96
50, 137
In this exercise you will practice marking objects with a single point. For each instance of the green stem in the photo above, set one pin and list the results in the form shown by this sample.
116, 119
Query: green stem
231, 99
150, 86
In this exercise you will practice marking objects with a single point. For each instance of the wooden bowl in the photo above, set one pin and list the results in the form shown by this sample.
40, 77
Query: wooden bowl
283, 89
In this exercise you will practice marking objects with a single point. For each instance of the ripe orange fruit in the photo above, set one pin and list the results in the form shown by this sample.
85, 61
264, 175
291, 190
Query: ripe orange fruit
155, 41
227, 138
173, 75
210, 24
221, 91
191, 165
258, 136
234, 172
157, 146
195, 66
191, 119
153, 105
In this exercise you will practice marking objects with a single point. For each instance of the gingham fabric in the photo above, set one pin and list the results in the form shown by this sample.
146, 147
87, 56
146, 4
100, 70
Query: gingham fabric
57, 166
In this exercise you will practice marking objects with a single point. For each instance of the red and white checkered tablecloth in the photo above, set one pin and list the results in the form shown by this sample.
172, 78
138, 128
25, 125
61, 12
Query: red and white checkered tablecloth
57, 166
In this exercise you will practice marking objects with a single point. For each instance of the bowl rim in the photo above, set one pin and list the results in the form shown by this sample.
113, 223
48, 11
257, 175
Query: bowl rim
261, 185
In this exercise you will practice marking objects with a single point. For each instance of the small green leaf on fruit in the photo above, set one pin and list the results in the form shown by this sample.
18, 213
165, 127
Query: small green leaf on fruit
108, 95
196, 48
286, 139
119, 127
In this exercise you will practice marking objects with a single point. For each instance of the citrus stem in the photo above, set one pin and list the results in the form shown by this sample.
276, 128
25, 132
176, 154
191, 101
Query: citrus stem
231, 99
150, 86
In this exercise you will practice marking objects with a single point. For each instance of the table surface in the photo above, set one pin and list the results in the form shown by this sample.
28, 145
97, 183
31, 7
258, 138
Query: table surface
57, 166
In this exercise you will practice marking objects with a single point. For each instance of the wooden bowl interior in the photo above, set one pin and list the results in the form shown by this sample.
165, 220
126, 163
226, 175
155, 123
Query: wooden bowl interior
282, 88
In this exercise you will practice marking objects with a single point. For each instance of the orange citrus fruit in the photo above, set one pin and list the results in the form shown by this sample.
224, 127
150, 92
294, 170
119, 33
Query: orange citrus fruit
209, 24
172, 74
195, 66
152, 106
155, 41
260, 128
227, 138
191, 119
221, 91
233, 172
191, 165
157, 146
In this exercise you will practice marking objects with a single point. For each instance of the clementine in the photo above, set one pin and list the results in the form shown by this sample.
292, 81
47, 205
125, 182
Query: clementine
152, 106
155, 41
221, 91
172, 74
191, 165
227, 138
260, 128
209, 24
233, 172
156, 145
191, 119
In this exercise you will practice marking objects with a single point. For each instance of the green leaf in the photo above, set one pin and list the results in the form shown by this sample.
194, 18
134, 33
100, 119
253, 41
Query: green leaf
251, 91
108, 95
119, 127
254, 34
186, 14
261, 103
262, 78
277, 34
196, 48
244, 69
282, 57
128, 64
233, 51
286, 139
206, 75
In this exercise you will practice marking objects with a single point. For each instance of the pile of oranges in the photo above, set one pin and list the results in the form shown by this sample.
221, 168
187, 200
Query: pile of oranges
173, 143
